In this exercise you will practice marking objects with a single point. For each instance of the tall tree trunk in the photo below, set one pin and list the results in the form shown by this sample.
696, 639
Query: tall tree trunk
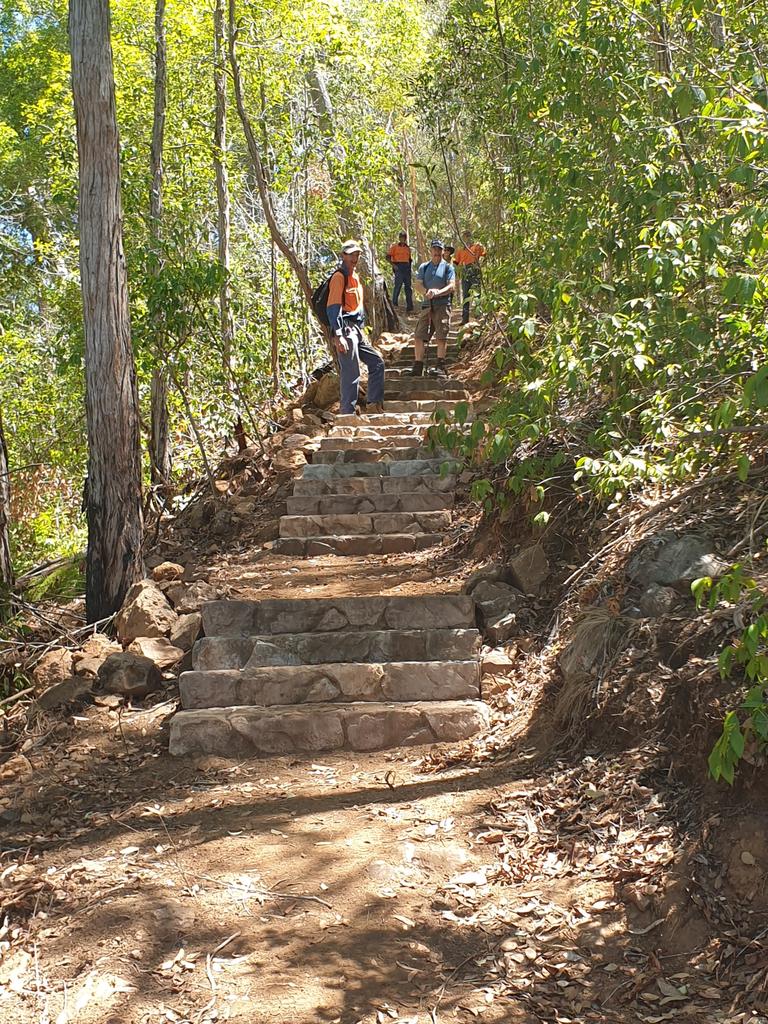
421, 244
6, 568
275, 354
159, 437
113, 492
222, 181
257, 163
381, 313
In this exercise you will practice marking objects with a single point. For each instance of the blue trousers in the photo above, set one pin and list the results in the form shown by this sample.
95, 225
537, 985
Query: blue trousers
403, 280
349, 370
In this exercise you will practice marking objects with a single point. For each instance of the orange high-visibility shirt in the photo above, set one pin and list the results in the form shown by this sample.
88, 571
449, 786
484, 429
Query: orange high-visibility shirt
465, 257
399, 253
350, 298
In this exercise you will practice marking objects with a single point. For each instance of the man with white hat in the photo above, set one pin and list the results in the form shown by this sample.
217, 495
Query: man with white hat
346, 317
437, 280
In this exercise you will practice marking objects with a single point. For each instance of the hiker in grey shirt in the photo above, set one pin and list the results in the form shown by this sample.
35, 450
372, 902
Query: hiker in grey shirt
436, 279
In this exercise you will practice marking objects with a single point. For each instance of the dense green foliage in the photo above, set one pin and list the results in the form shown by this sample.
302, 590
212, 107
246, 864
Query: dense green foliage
620, 173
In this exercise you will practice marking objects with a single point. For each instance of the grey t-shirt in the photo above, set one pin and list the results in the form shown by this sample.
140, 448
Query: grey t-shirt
436, 277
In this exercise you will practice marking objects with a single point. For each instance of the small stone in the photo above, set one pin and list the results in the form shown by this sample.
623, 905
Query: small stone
193, 597
54, 667
94, 652
297, 415
158, 649
529, 569
657, 601
674, 560
68, 691
187, 630
167, 571
501, 629
495, 661
286, 461
131, 675
145, 612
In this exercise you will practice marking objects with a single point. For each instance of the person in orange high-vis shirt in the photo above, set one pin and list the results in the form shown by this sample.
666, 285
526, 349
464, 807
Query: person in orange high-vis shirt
469, 258
346, 318
399, 255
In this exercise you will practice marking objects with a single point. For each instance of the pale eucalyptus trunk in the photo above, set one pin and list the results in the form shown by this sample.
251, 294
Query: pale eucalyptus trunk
159, 437
226, 323
6, 566
113, 489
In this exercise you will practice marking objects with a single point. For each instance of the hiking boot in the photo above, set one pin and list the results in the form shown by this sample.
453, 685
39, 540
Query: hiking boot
417, 370
374, 407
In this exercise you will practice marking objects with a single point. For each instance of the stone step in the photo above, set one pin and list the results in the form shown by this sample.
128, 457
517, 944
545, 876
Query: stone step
355, 544
350, 504
313, 684
374, 485
229, 617
383, 419
252, 731
318, 648
401, 370
372, 454
340, 444
396, 393
384, 430
423, 405
407, 383
394, 468
357, 523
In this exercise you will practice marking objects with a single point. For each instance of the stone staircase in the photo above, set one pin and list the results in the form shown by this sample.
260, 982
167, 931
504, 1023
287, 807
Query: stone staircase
379, 488
282, 676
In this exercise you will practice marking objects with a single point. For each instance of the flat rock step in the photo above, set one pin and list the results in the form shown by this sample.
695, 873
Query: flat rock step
356, 524
394, 392
252, 731
350, 504
382, 419
374, 486
355, 544
393, 468
385, 430
312, 684
405, 382
339, 444
422, 405
232, 618
369, 645
372, 454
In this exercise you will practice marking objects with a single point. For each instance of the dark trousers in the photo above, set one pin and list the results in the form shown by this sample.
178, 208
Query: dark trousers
470, 282
359, 351
403, 280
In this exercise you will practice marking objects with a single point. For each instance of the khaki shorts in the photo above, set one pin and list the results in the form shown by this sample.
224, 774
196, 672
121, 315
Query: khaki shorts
441, 321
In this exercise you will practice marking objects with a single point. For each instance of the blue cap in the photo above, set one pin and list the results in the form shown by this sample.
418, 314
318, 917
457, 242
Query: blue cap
436, 243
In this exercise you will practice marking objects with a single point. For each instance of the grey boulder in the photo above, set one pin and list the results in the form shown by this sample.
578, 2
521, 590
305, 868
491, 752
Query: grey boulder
131, 675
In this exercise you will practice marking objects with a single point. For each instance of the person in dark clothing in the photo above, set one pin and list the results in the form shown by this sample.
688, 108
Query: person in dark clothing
346, 317
399, 255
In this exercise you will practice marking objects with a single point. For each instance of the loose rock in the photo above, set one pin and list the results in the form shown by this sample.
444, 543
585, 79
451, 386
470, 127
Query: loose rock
54, 667
529, 569
131, 675
674, 560
158, 649
67, 691
145, 612
187, 630
167, 571
657, 601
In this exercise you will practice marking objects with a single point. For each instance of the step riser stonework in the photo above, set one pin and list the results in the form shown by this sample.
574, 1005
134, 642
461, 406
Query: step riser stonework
218, 652
373, 455
379, 444
356, 544
396, 468
373, 485
333, 504
251, 731
358, 524
308, 684
228, 618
